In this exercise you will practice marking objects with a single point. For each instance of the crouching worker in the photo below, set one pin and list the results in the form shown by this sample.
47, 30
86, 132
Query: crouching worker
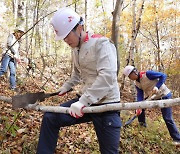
95, 65
148, 83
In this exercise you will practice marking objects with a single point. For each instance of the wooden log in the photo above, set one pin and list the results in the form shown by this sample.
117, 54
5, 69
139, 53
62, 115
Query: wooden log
111, 107
103, 108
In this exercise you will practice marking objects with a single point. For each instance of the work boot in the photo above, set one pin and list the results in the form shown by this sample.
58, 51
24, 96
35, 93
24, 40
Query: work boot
143, 124
15, 89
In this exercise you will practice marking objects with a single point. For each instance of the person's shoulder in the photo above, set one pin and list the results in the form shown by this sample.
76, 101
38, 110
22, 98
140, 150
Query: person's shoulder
95, 36
10, 36
99, 38
153, 72
150, 73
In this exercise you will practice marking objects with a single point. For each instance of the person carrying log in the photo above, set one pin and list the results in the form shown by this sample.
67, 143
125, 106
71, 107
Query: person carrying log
95, 65
152, 83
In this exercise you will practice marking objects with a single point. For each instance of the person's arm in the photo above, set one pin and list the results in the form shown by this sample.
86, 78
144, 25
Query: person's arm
140, 94
10, 43
152, 75
13, 47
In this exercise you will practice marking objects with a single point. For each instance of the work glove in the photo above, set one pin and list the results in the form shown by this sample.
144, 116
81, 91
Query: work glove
155, 90
138, 112
18, 60
76, 109
62, 91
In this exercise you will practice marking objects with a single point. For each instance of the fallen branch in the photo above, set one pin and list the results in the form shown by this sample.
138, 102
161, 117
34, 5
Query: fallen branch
104, 108
110, 107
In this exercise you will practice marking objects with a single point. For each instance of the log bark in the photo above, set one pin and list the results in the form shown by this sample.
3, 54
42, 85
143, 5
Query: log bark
104, 108
112, 107
6, 99
115, 29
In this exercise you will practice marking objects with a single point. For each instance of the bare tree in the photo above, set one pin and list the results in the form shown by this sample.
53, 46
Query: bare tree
158, 60
115, 28
85, 25
135, 31
18, 11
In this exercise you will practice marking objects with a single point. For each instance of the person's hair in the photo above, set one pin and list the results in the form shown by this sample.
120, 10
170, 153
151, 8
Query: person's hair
16, 34
134, 70
79, 23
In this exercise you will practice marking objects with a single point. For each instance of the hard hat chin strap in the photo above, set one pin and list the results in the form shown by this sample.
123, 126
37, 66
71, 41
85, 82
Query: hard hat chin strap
79, 36
81, 22
135, 71
79, 43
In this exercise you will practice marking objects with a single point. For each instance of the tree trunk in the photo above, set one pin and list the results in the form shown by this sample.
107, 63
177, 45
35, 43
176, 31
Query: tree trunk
20, 14
85, 20
133, 36
15, 9
158, 59
158, 63
135, 30
115, 28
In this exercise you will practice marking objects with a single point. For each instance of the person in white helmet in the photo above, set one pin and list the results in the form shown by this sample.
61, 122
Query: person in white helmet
152, 83
95, 67
11, 56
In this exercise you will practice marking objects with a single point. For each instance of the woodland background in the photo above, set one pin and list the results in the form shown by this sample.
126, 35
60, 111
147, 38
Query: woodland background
146, 34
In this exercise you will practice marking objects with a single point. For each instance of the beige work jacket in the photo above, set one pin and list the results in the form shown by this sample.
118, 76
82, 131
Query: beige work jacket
95, 66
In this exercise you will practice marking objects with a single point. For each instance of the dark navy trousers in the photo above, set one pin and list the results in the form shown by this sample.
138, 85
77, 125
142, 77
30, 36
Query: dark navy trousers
168, 118
107, 126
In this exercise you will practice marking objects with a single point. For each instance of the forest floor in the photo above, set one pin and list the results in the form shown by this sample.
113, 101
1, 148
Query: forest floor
22, 137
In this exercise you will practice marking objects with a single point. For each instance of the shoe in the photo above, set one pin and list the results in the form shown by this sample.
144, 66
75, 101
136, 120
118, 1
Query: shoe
177, 143
143, 124
15, 89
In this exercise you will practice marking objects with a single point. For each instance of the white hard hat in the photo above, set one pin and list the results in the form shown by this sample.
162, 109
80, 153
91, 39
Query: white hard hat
63, 21
128, 69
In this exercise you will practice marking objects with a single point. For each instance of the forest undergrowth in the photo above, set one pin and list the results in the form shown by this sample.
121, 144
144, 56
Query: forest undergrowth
22, 137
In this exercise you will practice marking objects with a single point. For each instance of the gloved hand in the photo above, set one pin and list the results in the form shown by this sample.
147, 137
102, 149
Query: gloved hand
18, 60
62, 91
76, 109
155, 90
138, 112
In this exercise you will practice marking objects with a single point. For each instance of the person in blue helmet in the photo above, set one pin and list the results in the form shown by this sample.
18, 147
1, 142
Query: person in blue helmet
152, 83
95, 67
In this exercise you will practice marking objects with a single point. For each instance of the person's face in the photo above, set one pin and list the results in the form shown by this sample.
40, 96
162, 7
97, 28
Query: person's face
19, 34
72, 38
133, 76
